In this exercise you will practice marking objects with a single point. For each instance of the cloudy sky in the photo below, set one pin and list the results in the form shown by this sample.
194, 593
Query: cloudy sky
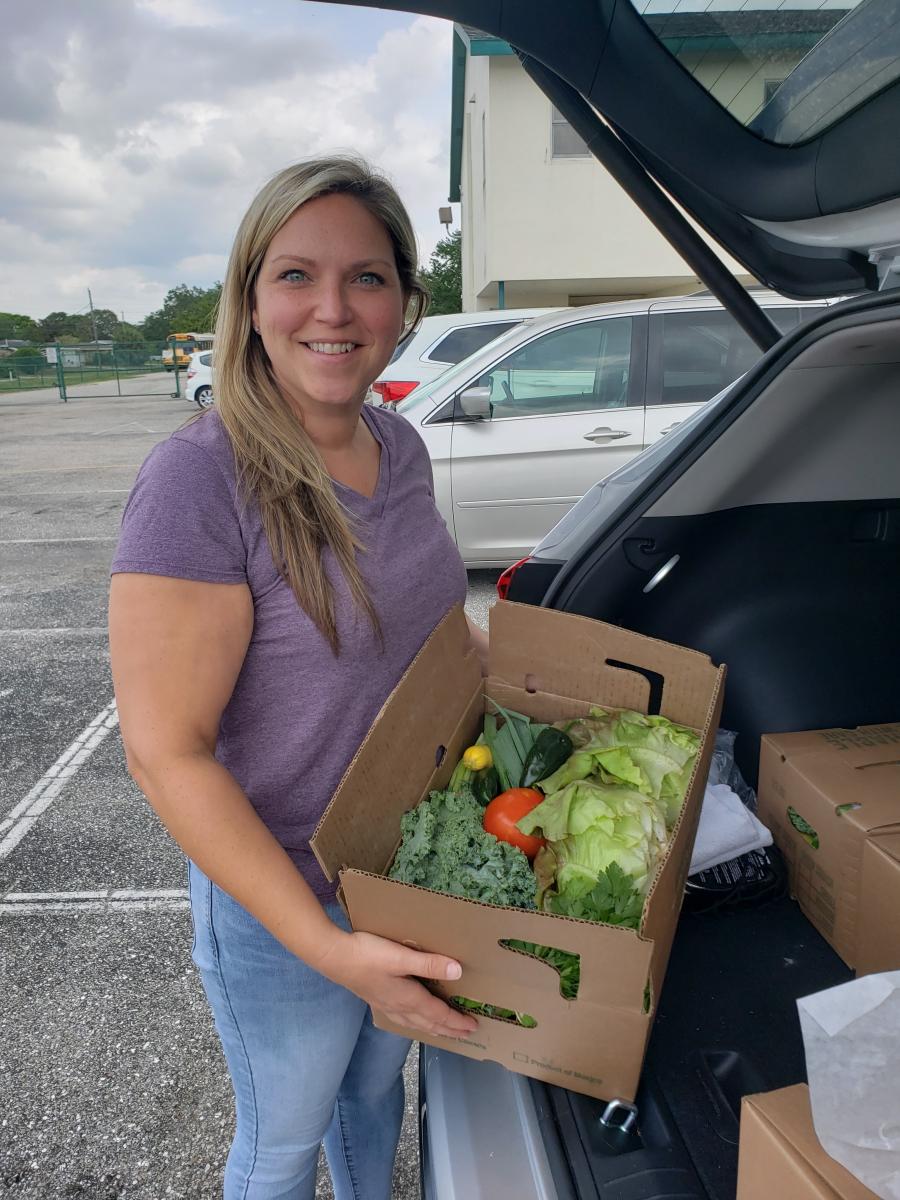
133, 133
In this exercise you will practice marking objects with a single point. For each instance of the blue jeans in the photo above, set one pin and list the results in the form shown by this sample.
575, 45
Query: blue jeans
306, 1062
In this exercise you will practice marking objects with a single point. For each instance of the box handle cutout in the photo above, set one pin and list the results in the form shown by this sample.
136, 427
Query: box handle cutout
439, 755
564, 963
531, 684
803, 827
478, 1008
656, 681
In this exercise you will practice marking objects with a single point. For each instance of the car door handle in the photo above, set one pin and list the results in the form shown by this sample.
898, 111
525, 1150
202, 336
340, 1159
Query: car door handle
604, 434
669, 428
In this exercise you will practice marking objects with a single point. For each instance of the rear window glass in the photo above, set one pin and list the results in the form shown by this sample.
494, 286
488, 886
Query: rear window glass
699, 353
206, 359
789, 70
458, 344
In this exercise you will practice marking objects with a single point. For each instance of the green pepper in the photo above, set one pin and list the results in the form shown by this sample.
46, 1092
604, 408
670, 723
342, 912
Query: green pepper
485, 785
551, 749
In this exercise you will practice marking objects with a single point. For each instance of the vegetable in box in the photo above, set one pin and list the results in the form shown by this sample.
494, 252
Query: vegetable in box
607, 790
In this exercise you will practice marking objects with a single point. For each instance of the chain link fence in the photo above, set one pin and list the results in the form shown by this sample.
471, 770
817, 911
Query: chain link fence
95, 369
22, 372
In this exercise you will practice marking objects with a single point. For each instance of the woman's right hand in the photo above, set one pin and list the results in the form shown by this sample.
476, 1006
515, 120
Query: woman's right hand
381, 973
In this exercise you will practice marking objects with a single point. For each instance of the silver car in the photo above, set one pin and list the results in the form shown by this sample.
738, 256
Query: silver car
518, 432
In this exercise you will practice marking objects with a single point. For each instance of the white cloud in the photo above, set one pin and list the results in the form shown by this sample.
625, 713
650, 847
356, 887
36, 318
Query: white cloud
200, 14
140, 139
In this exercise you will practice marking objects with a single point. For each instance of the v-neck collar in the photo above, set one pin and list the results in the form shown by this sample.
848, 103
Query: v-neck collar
371, 506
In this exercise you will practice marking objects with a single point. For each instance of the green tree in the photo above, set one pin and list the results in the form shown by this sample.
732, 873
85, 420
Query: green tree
106, 323
129, 333
17, 325
76, 327
184, 310
443, 275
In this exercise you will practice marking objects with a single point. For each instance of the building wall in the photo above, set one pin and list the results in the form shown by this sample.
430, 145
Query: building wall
557, 231
473, 185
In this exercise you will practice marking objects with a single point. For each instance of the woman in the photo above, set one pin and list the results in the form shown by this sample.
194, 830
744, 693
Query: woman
281, 562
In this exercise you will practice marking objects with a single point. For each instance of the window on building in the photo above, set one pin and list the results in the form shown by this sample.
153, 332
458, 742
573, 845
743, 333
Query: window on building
565, 142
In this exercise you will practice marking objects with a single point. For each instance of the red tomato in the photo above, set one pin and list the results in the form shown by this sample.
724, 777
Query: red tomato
504, 810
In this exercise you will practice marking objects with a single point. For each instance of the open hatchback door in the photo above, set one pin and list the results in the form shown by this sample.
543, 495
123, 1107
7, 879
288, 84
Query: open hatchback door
792, 168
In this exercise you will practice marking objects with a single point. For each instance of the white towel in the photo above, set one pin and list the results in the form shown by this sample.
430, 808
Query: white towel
727, 829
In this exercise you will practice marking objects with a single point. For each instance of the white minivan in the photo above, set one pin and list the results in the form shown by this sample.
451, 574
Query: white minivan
518, 432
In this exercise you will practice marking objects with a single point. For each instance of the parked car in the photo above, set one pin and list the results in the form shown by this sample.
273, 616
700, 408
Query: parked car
764, 530
440, 342
518, 432
198, 388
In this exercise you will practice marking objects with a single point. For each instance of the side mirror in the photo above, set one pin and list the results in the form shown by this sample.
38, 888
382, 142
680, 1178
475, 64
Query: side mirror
475, 403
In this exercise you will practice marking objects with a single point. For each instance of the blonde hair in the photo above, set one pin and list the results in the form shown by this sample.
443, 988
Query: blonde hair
277, 463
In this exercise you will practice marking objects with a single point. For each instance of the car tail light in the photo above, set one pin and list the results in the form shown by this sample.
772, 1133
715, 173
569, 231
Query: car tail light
392, 391
507, 577
191, 373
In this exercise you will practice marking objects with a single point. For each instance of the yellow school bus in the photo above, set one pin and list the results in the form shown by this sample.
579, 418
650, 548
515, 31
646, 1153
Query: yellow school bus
180, 347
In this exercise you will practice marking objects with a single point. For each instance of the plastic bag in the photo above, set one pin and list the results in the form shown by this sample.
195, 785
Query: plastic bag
723, 768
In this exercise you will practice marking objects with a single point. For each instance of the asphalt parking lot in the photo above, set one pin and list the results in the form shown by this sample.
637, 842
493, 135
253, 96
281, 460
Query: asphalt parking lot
111, 1079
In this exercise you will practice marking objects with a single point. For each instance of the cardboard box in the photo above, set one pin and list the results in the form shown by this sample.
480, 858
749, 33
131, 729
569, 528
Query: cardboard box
879, 908
550, 666
824, 794
781, 1157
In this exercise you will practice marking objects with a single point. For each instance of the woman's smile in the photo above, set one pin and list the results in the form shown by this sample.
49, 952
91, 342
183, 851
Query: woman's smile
332, 348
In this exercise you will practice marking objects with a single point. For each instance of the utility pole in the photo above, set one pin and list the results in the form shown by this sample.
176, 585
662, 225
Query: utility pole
93, 322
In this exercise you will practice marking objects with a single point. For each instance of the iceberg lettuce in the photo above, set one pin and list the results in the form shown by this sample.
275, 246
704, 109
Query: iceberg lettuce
651, 754
588, 825
607, 813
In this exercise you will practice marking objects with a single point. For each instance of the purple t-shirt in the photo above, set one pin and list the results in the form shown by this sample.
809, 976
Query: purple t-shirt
297, 714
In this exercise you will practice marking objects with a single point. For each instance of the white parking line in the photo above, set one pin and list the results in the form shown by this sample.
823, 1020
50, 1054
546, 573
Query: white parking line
21, 497
14, 827
52, 630
55, 541
135, 425
25, 904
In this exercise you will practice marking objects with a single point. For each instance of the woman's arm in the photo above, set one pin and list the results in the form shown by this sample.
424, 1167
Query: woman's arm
177, 647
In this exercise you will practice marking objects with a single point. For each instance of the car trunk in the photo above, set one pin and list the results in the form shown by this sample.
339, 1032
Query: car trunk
785, 522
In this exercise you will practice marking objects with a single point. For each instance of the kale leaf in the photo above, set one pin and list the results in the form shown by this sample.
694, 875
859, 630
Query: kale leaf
445, 848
